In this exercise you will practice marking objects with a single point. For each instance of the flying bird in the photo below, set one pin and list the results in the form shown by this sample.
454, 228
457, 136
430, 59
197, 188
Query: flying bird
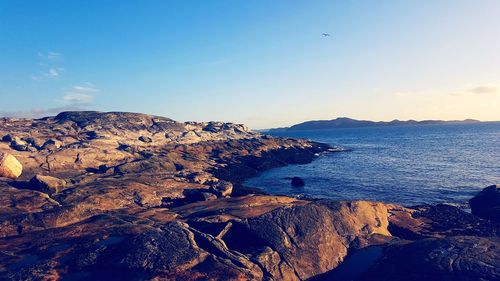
325, 34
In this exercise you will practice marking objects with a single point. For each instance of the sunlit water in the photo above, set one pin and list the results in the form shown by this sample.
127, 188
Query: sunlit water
407, 164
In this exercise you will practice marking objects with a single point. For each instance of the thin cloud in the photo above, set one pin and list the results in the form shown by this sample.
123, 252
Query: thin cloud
50, 55
488, 89
38, 112
49, 66
87, 88
80, 95
54, 72
76, 98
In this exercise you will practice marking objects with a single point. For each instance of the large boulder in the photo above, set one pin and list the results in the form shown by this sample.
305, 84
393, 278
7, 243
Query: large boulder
222, 188
10, 166
301, 242
486, 204
47, 184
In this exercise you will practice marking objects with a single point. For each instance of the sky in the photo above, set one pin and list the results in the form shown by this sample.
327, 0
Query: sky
262, 63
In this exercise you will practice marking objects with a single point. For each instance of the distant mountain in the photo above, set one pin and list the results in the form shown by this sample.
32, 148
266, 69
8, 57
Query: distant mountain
344, 122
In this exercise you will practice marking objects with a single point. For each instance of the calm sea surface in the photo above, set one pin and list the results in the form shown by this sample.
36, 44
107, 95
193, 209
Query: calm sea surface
407, 164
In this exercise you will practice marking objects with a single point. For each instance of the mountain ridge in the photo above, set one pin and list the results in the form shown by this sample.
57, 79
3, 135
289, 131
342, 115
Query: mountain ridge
345, 122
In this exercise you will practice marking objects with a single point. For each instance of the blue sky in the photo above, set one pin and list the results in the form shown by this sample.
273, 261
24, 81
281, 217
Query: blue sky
262, 63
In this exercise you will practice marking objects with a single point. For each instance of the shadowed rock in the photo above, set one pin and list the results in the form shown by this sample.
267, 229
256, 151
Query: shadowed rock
486, 204
461, 258
297, 182
47, 184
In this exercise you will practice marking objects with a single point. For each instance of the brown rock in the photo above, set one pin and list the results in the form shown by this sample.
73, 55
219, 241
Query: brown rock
10, 166
314, 238
47, 184
222, 188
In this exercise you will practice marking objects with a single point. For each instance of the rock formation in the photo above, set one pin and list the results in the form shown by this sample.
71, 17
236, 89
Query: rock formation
9, 166
47, 184
297, 182
486, 204
136, 197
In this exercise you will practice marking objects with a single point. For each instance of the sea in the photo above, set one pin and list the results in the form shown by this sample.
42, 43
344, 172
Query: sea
408, 165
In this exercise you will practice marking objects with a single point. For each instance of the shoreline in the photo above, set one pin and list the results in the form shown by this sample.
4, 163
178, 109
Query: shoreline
148, 197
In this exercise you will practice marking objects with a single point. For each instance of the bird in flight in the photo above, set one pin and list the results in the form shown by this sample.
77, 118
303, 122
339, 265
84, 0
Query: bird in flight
325, 34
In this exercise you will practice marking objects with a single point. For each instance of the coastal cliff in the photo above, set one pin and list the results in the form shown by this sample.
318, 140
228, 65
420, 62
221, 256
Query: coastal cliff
100, 196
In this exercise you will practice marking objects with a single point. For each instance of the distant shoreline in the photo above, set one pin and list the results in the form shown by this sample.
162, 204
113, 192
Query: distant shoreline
344, 123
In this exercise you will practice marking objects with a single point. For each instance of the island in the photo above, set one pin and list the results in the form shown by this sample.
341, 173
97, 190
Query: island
344, 122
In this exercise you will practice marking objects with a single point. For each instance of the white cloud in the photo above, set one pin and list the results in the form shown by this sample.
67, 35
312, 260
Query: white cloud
54, 72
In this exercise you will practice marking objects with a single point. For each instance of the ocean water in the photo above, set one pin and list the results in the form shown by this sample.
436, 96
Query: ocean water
407, 165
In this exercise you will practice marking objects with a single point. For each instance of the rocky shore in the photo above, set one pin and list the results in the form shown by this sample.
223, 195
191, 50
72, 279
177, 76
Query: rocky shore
125, 196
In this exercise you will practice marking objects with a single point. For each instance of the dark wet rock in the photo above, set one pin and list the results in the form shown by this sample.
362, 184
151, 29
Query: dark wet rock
449, 259
8, 138
35, 142
51, 144
127, 148
145, 139
486, 204
92, 135
19, 145
47, 184
297, 182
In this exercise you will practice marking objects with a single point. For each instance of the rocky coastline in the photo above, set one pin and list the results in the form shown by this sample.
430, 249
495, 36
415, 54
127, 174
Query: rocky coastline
127, 196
